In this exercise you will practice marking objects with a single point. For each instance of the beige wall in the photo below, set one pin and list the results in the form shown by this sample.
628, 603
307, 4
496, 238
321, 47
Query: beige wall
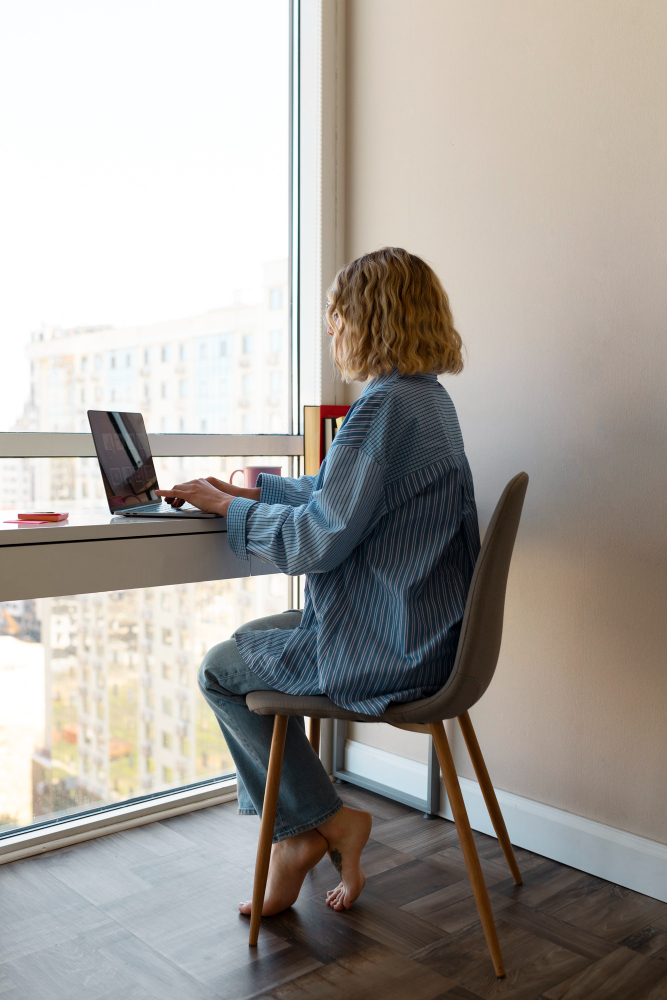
520, 146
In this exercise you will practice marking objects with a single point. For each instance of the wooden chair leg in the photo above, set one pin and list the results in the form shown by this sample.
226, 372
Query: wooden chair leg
268, 822
314, 735
467, 844
489, 795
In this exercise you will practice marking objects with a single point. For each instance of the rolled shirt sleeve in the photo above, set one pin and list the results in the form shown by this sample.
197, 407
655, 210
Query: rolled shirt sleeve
318, 535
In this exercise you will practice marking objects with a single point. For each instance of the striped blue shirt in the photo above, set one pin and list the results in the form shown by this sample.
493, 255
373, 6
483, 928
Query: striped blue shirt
387, 536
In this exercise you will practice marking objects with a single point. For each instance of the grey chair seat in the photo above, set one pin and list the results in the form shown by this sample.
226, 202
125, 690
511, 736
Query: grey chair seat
448, 703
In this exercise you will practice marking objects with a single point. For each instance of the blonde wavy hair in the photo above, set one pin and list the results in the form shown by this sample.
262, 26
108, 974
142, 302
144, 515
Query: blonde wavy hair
388, 310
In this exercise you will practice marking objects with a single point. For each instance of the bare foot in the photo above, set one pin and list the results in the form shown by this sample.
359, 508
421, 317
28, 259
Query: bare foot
346, 834
291, 860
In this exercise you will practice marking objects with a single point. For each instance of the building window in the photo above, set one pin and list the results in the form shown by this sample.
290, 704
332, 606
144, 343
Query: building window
275, 298
183, 388
275, 341
164, 354
276, 382
166, 740
248, 343
182, 352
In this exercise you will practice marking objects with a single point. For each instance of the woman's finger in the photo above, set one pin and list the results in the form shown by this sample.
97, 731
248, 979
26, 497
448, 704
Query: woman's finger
173, 494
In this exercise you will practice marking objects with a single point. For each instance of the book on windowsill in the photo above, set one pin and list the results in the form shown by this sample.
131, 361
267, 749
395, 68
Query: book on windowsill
320, 426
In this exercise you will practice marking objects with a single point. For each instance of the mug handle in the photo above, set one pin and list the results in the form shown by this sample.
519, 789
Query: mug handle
231, 478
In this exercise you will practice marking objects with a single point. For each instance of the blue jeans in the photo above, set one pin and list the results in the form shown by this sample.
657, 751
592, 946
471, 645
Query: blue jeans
307, 797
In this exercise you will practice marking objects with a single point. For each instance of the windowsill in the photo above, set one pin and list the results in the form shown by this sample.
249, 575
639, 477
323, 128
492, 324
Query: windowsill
98, 523
75, 830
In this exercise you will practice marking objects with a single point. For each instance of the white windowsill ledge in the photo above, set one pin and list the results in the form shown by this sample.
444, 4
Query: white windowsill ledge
77, 829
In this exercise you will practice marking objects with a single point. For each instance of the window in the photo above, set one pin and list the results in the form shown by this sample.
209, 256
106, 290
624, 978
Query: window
145, 267
100, 710
126, 305
276, 380
275, 341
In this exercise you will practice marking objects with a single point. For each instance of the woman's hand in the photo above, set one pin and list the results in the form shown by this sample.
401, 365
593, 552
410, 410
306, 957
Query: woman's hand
200, 493
233, 491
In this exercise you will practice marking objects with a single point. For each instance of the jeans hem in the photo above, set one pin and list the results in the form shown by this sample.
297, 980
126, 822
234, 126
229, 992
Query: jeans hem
293, 831
248, 812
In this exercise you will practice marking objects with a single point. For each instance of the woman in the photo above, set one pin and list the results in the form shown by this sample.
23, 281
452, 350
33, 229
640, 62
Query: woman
387, 536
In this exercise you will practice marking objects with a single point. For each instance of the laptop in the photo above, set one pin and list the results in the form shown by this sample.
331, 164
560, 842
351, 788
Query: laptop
127, 467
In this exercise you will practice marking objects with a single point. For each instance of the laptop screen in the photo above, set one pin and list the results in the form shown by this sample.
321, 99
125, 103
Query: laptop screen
125, 458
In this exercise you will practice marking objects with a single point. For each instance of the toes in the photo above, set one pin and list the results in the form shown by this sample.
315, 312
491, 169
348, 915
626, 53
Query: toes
245, 907
336, 896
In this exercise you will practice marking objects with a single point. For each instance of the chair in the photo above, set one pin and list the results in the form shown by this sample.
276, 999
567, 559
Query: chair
476, 659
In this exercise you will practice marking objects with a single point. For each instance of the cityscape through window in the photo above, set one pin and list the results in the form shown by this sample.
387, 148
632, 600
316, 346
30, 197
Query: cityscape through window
145, 260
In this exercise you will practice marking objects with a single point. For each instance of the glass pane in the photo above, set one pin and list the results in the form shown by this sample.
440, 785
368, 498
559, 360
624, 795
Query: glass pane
99, 699
144, 199
76, 483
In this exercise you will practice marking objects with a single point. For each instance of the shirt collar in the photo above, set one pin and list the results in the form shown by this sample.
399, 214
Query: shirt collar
380, 380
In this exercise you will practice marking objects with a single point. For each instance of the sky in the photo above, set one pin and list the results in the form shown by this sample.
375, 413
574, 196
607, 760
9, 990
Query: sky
143, 174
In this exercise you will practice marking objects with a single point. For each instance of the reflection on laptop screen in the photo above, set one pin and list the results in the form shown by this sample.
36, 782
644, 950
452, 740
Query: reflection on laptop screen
125, 458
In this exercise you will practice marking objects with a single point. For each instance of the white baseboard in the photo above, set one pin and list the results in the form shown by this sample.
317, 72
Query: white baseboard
623, 858
401, 773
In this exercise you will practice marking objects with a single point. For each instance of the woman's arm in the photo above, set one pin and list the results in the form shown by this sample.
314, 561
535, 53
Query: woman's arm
199, 493
319, 535
272, 489
284, 490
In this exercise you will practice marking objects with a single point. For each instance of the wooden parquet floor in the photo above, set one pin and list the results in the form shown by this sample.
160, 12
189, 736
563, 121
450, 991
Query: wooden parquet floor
151, 913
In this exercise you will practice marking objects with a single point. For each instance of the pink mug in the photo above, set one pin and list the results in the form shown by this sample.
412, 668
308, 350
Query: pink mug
251, 472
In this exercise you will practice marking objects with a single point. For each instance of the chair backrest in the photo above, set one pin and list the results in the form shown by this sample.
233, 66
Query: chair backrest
482, 625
